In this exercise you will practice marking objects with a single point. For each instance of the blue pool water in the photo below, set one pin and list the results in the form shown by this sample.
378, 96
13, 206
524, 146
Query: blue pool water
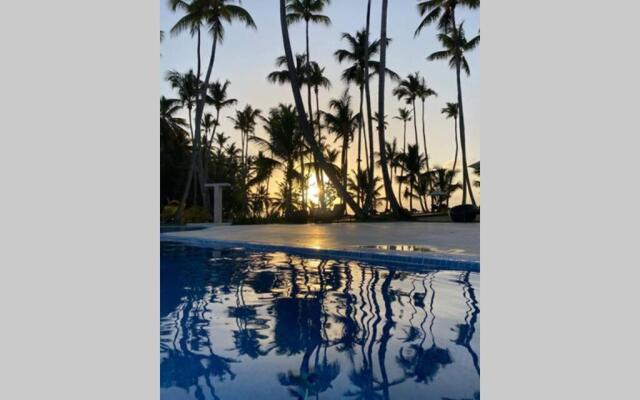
239, 325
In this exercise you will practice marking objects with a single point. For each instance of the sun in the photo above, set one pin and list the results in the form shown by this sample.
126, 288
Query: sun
313, 191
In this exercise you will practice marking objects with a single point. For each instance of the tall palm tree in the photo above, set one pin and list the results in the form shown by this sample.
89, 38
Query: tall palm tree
455, 46
359, 52
413, 162
317, 79
388, 188
343, 123
310, 11
245, 122
187, 87
425, 92
451, 111
307, 132
216, 13
193, 20
404, 115
392, 153
409, 90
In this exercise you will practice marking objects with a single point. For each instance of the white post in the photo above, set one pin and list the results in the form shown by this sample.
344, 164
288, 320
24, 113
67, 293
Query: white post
217, 200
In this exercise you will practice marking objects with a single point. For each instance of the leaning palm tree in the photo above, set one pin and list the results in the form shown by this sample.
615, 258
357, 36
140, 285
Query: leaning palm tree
307, 132
343, 123
451, 111
216, 13
455, 46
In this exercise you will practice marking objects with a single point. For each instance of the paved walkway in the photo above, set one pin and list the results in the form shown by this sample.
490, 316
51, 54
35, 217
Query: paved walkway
428, 239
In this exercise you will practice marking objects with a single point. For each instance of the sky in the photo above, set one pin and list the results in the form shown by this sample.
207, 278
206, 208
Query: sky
247, 56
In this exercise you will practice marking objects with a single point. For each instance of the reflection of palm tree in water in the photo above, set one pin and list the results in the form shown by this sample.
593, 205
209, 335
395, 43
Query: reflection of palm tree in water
423, 364
467, 330
183, 364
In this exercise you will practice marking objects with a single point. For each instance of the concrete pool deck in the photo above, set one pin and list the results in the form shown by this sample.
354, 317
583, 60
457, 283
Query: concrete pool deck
437, 245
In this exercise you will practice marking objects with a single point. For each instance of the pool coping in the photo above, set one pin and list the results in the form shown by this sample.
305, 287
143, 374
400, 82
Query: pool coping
424, 261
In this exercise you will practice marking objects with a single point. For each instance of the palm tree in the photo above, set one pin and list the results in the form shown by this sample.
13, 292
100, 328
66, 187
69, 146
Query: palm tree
441, 179
170, 125
307, 11
317, 79
425, 92
443, 11
215, 14
451, 111
193, 21
359, 53
343, 124
245, 122
187, 87
284, 144
307, 132
455, 46
392, 152
388, 188
404, 115
413, 162
409, 89
282, 77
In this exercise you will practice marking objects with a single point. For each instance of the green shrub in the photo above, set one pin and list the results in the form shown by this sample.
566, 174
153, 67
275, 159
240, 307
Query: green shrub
195, 214
168, 212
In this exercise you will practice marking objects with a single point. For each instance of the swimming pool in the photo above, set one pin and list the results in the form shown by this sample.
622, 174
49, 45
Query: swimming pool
245, 325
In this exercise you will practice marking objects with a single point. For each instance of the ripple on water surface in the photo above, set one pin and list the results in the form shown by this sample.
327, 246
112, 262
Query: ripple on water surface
241, 325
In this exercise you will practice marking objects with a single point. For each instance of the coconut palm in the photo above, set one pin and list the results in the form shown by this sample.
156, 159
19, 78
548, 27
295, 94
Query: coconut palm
284, 144
343, 123
170, 124
388, 188
413, 162
425, 92
186, 84
359, 52
442, 11
307, 132
455, 46
404, 115
317, 79
409, 90
193, 20
245, 122
392, 153
215, 15
441, 179
451, 111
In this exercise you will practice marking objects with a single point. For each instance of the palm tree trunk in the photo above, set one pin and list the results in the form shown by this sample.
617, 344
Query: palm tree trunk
415, 124
369, 201
319, 174
388, 188
360, 126
304, 123
455, 157
404, 151
426, 154
463, 145
199, 110
345, 161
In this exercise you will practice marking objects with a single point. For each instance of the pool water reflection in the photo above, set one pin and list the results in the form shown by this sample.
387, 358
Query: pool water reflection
239, 325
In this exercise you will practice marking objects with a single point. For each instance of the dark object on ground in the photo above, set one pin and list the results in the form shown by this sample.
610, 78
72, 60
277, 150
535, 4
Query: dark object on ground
325, 216
297, 217
464, 213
